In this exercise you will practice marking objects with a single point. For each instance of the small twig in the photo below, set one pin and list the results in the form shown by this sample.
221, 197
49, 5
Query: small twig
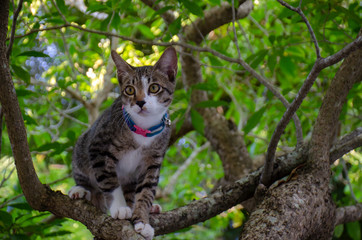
348, 180
246, 37
13, 28
234, 30
311, 32
172, 182
270, 87
258, 25
20, 195
7, 176
60, 12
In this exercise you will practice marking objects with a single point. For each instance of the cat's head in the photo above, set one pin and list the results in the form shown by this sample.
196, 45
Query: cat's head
147, 92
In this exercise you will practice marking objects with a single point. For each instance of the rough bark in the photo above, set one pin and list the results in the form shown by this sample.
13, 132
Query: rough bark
303, 208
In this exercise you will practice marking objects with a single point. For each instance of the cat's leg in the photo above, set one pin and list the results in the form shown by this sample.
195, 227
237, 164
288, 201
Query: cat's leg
145, 194
129, 193
118, 207
105, 175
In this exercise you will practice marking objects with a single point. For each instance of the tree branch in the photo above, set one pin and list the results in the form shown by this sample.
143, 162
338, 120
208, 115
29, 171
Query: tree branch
13, 28
348, 214
318, 66
214, 18
222, 134
173, 179
311, 32
347, 143
270, 87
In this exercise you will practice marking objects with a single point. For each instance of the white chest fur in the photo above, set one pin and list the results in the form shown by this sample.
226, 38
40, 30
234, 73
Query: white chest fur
141, 140
128, 163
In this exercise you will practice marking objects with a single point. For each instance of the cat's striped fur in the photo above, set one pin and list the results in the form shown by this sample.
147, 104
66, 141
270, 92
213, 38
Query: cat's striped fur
115, 168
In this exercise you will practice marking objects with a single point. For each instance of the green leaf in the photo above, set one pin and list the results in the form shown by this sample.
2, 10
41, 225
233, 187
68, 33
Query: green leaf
124, 5
175, 26
61, 6
24, 92
22, 206
254, 120
146, 31
19, 237
197, 121
21, 73
354, 230
287, 66
33, 54
193, 7
211, 103
338, 231
58, 233
6, 220
162, 11
48, 146
255, 59
205, 86
96, 7
272, 61
116, 22
29, 120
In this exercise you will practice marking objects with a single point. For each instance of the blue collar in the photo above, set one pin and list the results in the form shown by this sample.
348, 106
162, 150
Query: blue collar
152, 131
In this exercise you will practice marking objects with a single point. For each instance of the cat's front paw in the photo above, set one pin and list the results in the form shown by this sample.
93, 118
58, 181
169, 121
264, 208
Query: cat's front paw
78, 192
121, 212
145, 230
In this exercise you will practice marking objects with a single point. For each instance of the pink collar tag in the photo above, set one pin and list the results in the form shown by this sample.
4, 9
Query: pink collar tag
141, 131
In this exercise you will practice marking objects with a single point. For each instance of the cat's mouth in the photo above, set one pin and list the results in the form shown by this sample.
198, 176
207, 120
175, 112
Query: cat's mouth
143, 112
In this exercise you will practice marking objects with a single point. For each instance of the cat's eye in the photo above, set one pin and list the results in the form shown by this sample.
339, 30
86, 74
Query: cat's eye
154, 88
129, 90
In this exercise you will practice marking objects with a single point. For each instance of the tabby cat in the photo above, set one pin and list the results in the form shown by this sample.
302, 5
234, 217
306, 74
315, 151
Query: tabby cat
116, 163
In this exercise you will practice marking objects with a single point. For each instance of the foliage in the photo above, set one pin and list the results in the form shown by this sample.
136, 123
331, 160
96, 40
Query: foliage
48, 65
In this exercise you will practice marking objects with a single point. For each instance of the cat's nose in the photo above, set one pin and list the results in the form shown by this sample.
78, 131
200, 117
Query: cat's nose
140, 103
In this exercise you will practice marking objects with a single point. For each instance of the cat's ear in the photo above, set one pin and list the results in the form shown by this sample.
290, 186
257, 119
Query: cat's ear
168, 63
123, 68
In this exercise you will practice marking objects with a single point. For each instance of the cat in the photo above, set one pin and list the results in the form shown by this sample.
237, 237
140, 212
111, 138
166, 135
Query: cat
116, 163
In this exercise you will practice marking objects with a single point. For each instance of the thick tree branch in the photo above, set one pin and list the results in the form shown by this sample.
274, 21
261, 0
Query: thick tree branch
348, 214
